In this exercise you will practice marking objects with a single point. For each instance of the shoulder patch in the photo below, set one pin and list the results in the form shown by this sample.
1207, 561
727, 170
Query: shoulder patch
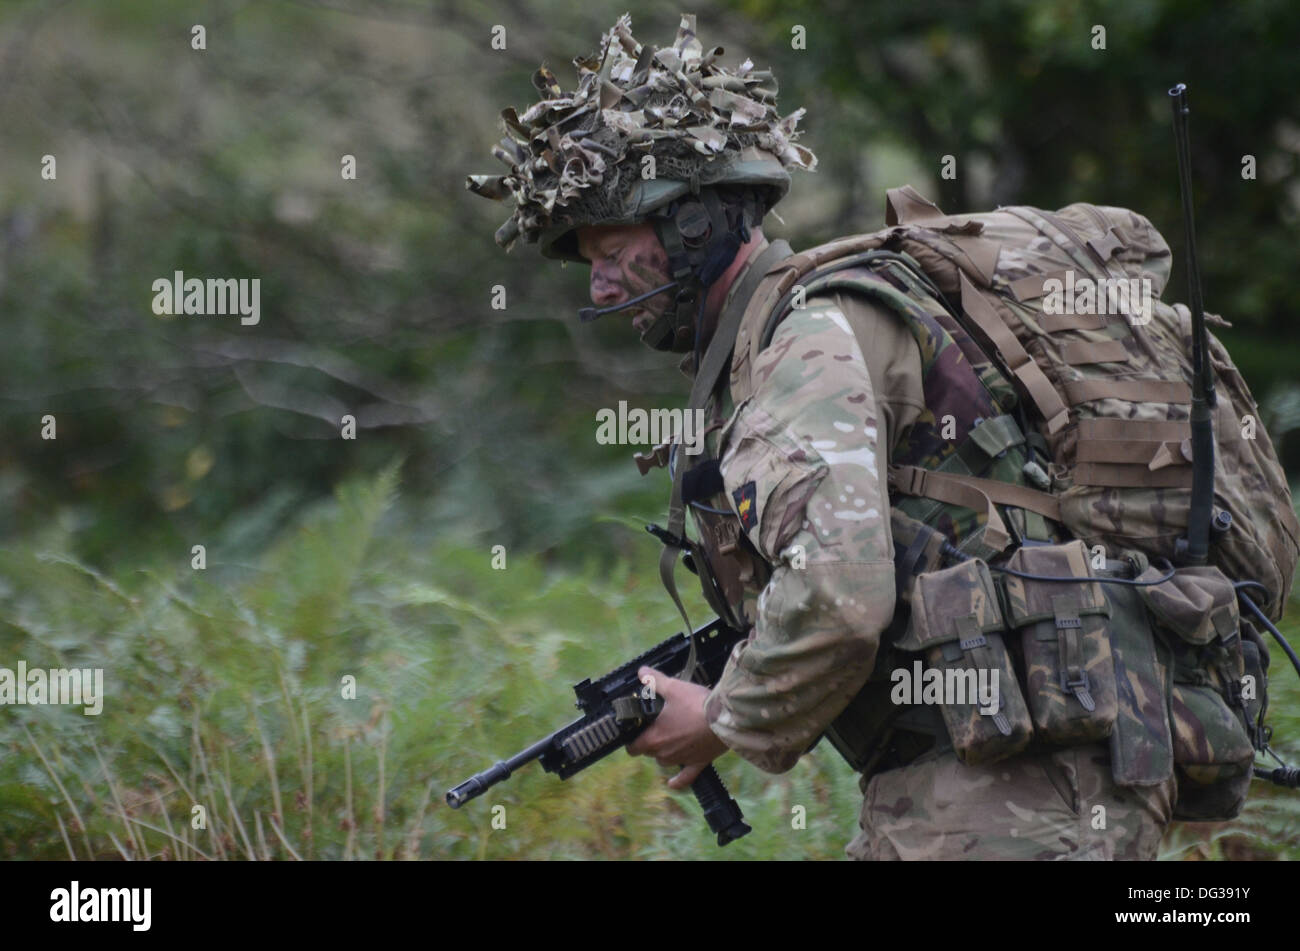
745, 507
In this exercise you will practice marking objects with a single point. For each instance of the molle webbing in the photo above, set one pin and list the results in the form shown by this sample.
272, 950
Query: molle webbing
1105, 394
1022, 366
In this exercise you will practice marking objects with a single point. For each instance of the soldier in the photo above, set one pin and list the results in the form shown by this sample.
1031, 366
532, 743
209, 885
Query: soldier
657, 171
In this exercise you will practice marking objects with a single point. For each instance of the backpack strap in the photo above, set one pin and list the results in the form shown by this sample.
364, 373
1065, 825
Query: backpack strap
1039, 389
974, 493
772, 289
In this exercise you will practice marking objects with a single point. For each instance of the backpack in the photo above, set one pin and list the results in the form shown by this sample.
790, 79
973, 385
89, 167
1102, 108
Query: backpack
1109, 393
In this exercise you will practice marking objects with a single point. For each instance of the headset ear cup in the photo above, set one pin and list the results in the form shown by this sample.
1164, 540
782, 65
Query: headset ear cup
693, 224
697, 235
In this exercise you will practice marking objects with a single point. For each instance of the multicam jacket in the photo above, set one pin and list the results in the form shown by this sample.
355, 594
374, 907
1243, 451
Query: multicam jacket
803, 462
806, 451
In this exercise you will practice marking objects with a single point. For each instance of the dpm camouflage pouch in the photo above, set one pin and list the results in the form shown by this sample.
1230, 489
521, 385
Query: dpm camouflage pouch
1064, 638
957, 624
1210, 696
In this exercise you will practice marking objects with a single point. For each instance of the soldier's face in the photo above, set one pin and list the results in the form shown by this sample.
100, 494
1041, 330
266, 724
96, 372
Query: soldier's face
626, 261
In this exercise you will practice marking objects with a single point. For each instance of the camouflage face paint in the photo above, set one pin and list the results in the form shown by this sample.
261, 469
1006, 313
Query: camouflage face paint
627, 262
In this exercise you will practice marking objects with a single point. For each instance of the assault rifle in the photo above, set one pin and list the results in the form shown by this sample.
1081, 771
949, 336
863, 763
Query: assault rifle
616, 709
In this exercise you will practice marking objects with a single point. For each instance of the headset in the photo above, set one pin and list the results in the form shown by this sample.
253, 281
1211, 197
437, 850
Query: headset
702, 235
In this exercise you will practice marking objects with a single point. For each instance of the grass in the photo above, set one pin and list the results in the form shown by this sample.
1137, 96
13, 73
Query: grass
230, 729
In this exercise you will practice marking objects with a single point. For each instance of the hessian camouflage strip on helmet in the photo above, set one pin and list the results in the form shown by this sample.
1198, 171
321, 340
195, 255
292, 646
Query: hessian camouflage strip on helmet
577, 158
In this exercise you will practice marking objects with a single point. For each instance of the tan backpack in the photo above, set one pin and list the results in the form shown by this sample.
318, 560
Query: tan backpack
1067, 304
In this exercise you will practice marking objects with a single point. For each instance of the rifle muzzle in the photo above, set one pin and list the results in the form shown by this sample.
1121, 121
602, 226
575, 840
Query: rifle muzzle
477, 784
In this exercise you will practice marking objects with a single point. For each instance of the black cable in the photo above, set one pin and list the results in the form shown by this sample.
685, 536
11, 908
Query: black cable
1133, 583
958, 555
1254, 609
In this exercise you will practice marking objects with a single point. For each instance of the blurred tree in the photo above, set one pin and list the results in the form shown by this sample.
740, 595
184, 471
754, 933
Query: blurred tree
376, 291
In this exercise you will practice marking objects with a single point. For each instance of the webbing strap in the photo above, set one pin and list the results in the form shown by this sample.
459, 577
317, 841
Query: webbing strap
1147, 430
1101, 250
1054, 323
706, 380
1117, 475
1106, 245
1172, 454
1021, 364
763, 307
1135, 391
982, 254
1076, 352
911, 480
975, 644
1031, 287
1154, 455
905, 206
1069, 628
1145, 442
973, 493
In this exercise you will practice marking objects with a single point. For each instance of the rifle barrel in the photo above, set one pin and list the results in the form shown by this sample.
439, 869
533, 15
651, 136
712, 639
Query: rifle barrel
480, 783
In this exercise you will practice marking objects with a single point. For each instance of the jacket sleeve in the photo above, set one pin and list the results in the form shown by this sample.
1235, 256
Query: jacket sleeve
800, 465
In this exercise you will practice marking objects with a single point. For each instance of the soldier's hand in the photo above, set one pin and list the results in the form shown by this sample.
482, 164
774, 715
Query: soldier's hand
680, 735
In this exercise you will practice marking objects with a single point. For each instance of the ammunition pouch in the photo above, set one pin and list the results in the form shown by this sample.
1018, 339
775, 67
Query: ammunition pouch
1069, 671
1216, 691
957, 625
1168, 673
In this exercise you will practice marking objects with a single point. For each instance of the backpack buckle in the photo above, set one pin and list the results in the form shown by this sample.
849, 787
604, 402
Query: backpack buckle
1080, 688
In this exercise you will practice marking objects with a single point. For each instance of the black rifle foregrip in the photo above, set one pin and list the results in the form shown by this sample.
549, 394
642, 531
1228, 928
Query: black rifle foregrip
720, 810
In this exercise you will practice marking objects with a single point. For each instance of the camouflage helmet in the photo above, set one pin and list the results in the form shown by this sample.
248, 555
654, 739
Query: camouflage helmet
645, 127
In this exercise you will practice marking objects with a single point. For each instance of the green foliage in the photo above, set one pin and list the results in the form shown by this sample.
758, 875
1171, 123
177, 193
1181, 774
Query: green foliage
224, 688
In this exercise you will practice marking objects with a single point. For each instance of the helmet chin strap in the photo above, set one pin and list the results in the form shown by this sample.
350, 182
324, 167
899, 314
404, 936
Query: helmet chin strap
701, 245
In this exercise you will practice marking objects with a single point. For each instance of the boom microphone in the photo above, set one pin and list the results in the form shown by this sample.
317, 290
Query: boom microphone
588, 314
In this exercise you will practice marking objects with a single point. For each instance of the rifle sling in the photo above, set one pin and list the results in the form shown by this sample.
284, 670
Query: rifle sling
707, 376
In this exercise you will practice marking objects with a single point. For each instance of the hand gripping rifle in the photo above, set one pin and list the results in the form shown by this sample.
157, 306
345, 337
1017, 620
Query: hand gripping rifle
1194, 549
616, 708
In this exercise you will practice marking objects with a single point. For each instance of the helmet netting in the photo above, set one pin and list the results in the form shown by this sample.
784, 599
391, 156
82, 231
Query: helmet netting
575, 158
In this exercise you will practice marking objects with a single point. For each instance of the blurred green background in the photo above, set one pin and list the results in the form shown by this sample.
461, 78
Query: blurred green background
372, 557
